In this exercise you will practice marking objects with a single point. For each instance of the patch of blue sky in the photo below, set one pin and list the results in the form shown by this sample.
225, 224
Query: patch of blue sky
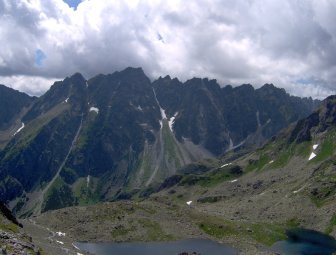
73, 3
304, 81
40, 56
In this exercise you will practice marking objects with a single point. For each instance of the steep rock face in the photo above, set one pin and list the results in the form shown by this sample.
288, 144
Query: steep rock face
223, 118
113, 136
4, 211
281, 109
83, 141
71, 90
197, 111
87, 141
127, 141
13, 105
33, 156
321, 120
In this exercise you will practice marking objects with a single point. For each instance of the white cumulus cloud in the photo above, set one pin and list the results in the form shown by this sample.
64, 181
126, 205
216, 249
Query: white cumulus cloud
289, 43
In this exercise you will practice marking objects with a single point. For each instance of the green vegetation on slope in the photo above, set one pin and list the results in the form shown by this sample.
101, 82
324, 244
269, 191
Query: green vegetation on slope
212, 178
258, 164
327, 149
8, 226
30, 131
85, 194
154, 231
332, 224
86, 131
59, 195
264, 233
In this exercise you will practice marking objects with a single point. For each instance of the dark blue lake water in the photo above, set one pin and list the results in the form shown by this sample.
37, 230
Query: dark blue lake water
305, 242
300, 242
204, 247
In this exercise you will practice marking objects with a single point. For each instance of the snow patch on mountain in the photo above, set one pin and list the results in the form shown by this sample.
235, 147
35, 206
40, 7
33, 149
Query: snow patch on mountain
19, 130
94, 109
172, 121
163, 113
312, 155
227, 164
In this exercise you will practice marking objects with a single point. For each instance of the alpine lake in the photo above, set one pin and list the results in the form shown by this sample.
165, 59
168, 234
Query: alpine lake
299, 242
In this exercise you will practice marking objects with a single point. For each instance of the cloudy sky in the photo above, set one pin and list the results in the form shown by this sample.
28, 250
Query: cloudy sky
291, 43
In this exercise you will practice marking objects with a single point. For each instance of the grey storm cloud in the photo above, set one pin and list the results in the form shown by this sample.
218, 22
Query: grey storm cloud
289, 43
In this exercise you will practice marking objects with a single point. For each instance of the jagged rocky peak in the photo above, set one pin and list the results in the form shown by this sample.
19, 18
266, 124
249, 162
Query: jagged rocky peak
121, 90
318, 122
166, 78
72, 90
120, 131
327, 112
247, 88
269, 90
166, 81
133, 74
132, 79
133, 71
271, 87
202, 83
75, 81
76, 78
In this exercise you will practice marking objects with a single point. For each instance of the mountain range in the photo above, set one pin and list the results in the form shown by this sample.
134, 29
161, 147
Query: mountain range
247, 198
85, 141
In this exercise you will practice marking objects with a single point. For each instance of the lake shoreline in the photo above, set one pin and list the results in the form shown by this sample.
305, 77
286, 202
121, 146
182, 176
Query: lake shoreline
146, 221
188, 246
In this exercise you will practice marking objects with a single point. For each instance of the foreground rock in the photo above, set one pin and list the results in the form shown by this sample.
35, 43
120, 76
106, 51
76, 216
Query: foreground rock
12, 238
17, 244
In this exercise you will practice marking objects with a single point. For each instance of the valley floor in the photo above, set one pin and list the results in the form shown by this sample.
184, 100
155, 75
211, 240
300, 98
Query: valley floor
137, 221
249, 212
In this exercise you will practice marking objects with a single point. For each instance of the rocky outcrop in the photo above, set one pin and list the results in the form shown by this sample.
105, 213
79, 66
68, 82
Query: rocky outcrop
12, 244
318, 122
12, 238
8, 214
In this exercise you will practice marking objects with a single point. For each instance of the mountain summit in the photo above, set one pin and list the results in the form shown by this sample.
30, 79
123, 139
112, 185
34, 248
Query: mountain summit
87, 141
